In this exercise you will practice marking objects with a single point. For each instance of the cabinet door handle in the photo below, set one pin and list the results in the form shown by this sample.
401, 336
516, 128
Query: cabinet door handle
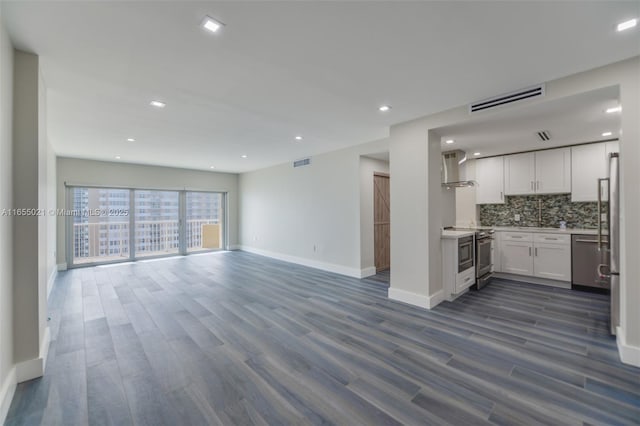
536, 251
529, 251
531, 185
501, 195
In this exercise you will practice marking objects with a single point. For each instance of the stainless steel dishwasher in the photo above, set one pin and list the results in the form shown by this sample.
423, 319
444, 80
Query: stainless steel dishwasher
585, 258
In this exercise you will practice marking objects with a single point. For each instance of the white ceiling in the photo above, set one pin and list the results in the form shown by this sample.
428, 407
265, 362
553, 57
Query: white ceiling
571, 120
279, 69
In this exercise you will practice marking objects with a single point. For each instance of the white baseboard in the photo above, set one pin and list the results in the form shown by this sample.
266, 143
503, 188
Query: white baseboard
329, 267
62, 266
367, 272
628, 354
7, 390
34, 368
52, 279
415, 299
235, 247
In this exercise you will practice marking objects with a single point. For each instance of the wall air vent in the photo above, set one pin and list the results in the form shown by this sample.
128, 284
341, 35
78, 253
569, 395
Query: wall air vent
302, 162
531, 92
544, 135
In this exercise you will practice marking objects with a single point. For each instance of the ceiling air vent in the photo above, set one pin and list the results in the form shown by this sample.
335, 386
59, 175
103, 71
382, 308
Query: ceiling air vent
544, 135
302, 162
508, 98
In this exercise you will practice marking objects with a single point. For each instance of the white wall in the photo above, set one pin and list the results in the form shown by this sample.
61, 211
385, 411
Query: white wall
368, 166
415, 151
7, 372
308, 215
101, 173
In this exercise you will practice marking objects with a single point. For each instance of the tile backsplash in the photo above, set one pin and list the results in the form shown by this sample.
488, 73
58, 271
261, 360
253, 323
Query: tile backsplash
555, 208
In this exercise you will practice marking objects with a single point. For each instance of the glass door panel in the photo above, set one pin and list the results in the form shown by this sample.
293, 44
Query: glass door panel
100, 219
204, 217
157, 215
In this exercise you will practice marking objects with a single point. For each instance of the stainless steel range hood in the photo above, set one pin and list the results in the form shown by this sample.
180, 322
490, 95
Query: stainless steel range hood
450, 171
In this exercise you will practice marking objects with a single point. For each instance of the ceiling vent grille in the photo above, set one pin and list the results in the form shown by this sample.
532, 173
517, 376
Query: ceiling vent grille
530, 92
544, 135
302, 162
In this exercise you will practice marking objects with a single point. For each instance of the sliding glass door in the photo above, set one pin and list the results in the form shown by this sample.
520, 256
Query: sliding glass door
100, 225
157, 220
110, 225
204, 211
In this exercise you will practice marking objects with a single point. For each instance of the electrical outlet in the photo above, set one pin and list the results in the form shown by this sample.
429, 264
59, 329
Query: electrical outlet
255, 238
603, 217
516, 217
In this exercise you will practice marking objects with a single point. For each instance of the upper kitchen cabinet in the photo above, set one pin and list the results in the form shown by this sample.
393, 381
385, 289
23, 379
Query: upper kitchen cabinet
541, 172
553, 171
490, 178
519, 174
588, 164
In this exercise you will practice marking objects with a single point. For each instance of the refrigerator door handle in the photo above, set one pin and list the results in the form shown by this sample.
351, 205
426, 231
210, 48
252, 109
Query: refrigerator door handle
600, 211
602, 274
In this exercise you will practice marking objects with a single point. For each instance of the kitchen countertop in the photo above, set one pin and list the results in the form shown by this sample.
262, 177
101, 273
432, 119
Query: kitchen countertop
582, 231
449, 233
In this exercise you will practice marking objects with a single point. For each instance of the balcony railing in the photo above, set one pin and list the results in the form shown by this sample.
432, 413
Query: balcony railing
108, 241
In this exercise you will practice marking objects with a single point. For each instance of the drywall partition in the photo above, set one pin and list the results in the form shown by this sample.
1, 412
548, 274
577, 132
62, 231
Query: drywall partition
308, 215
7, 370
368, 166
30, 331
102, 173
415, 234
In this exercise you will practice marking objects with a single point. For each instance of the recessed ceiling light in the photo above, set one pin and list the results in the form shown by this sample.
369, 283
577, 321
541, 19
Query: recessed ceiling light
157, 104
614, 109
384, 108
243, 156
131, 140
607, 134
211, 24
627, 24
476, 153
298, 138
449, 141
117, 157
212, 167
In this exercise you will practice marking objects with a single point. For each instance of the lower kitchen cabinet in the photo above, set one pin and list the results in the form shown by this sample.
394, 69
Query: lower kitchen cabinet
517, 257
537, 255
552, 261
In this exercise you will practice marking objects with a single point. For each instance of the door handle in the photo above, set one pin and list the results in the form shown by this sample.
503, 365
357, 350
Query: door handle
536, 251
601, 274
529, 251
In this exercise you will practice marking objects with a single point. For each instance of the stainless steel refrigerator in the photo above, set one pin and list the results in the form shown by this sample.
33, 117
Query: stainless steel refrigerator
609, 269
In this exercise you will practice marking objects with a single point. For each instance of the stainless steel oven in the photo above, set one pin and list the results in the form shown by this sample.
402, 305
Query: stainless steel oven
465, 253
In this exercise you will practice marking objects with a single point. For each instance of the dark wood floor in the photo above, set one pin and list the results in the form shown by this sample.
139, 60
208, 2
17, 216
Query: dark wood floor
235, 338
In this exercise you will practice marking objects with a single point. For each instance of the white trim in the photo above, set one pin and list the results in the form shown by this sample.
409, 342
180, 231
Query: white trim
330, 267
628, 354
409, 298
62, 266
7, 390
34, 368
532, 280
367, 272
235, 247
436, 298
415, 299
52, 279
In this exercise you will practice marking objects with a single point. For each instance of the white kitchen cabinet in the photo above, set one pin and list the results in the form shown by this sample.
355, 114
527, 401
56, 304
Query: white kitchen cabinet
490, 178
543, 255
517, 257
552, 260
553, 171
519, 174
588, 164
540, 172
